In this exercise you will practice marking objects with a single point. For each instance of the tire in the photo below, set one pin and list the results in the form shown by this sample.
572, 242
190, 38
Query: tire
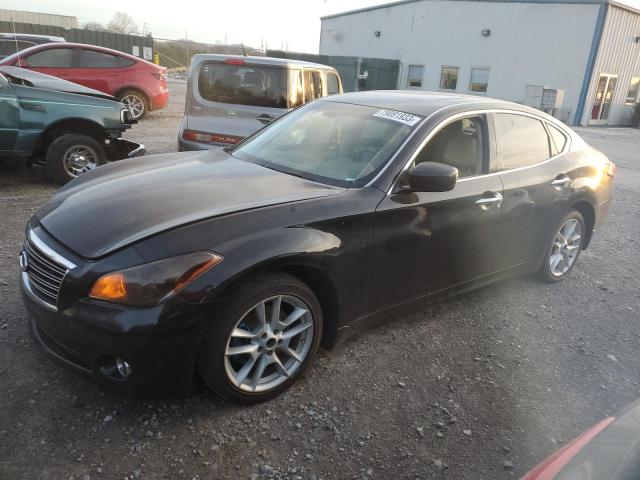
60, 154
547, 272
136, 102
217, 366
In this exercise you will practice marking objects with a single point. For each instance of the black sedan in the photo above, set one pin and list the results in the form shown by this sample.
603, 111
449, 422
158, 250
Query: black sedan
238, 265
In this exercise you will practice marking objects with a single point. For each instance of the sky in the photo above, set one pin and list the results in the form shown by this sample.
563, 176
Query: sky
288, 24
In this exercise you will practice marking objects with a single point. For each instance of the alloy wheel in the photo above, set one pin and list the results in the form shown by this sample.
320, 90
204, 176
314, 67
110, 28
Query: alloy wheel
79, 159
269, 343
135, 104
565, 247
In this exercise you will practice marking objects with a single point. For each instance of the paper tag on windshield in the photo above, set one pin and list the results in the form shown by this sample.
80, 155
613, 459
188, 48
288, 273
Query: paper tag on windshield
397, 116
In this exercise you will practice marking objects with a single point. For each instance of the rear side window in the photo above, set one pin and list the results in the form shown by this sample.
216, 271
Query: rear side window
94, 59
51, 58
559, 139
243, 84
296, 92
333, 84
522, 141
312, 85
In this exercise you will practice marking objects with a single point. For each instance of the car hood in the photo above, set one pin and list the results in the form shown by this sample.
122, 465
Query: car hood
47, 82
124, 202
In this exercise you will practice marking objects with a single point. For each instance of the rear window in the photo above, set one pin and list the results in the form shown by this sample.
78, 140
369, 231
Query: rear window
333, 85
243, 84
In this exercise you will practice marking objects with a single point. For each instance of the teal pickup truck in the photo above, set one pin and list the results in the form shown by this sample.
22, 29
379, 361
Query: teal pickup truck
66, 127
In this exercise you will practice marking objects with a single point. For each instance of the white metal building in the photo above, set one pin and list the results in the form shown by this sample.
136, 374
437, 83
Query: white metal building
18, 16
579, 59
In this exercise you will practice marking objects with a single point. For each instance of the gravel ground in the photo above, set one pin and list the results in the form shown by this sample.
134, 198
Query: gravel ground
480, 387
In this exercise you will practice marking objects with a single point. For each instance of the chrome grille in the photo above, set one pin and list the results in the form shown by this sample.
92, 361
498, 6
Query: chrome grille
43, 271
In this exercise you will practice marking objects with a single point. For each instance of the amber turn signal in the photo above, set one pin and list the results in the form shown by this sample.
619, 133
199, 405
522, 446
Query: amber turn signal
110, 287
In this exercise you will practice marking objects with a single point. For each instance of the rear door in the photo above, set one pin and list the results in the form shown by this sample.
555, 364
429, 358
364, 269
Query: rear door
426, 242
537, 185
233, 99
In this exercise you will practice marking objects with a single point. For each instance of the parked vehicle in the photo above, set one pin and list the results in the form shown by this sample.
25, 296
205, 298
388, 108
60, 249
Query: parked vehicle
11, 43
139, 84
230, 97
240, 262
609, 449
66, 127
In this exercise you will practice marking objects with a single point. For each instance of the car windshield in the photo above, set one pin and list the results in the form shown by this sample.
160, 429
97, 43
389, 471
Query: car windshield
330, 142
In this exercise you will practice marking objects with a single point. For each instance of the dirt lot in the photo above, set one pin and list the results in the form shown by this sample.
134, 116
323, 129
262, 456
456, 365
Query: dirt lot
479, 387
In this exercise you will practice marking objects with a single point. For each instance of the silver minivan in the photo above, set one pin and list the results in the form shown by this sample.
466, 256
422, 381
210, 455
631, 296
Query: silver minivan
230, 97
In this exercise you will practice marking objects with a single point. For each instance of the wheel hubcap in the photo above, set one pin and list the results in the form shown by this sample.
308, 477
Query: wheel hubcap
269, 343
79, 159
565, 248
135, 105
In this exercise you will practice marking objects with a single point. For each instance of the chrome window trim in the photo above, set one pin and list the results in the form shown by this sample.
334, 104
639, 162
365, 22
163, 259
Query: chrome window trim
469, 113
56, 257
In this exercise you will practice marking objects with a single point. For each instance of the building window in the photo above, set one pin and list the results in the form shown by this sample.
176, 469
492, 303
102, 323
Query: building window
479, 80
449, 78
632, 94
414, 76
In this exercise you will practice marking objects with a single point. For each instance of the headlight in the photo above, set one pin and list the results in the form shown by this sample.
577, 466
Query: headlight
152, 283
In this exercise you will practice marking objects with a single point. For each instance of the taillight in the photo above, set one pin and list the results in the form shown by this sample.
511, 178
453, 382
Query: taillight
611, 169
205, 137
235, 61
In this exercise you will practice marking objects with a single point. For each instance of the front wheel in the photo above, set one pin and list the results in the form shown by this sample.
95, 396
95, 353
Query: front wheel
73, 154
564, 249
263, 340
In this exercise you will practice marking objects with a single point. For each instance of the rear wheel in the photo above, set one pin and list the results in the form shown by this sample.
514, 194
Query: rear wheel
136, 102
265, 338
564, 249
73, 154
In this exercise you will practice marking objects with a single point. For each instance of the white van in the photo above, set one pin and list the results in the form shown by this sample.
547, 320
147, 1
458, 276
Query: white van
230, 97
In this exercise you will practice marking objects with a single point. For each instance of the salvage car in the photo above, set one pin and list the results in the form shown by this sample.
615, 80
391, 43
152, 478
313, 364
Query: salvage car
230, 97
11, 43
238, 264
68, 128
139, 84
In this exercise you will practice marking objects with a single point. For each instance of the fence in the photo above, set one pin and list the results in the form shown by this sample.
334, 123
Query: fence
380, 73
140, 46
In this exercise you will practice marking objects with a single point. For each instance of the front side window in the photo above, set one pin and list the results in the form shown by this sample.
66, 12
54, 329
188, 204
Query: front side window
243, 84
479, 80
632, 93
94, 59
460, 144
51, 58
414, 75
333, 84
449, 78
336, 143
522, 141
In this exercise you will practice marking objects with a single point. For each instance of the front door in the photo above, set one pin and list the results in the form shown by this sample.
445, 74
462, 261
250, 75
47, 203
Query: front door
425, 242
605, 89
9, 116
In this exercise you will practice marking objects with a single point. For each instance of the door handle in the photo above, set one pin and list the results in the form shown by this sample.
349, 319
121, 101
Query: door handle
561, 182
265, 118
485, 203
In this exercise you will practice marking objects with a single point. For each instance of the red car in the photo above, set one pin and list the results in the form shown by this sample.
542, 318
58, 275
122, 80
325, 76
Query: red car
139, 84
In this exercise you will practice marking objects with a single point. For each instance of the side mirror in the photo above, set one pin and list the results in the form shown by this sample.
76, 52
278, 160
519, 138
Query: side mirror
432, 177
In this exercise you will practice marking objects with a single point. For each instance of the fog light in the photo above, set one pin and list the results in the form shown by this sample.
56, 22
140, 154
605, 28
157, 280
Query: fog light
124, 369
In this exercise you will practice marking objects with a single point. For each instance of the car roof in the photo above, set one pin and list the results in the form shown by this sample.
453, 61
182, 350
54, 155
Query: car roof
256, 60
425, 103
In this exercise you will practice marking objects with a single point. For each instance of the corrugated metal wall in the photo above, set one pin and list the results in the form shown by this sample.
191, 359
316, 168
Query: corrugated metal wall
545, 44
383, 73
116, 41
618, 54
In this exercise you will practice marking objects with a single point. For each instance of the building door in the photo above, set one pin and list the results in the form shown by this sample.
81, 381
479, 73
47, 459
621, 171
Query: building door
602, 102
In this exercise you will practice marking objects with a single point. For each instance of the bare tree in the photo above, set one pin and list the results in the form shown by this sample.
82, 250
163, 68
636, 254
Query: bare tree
94, 26
122, 22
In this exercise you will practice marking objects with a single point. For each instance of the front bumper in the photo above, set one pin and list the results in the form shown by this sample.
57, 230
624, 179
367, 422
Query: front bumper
159, 343
119, 149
